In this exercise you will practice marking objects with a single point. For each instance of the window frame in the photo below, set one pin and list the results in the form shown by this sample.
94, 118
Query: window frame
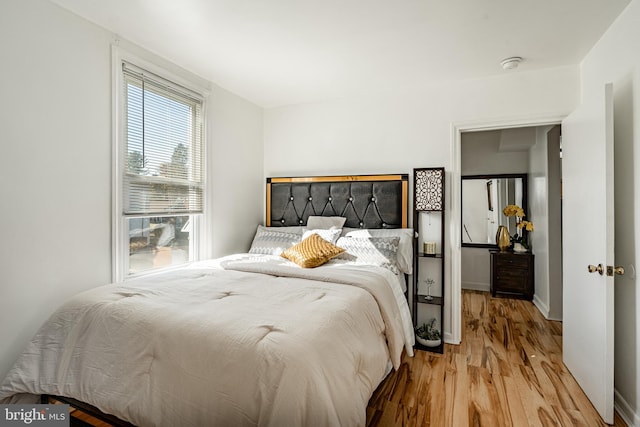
120, 237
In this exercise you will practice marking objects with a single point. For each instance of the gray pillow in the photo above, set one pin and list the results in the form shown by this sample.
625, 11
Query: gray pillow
378, 251
273, 240
405, 248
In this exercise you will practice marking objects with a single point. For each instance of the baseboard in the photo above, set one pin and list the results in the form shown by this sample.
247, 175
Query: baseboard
542, 307
476, 286
625, 411
448, 339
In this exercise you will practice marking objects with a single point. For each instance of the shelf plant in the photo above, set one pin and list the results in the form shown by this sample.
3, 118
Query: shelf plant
428, 335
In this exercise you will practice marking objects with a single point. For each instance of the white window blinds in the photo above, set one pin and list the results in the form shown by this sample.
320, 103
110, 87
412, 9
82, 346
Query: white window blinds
163, 164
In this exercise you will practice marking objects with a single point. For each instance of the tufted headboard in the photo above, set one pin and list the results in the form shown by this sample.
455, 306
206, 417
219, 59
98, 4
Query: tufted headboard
367, 201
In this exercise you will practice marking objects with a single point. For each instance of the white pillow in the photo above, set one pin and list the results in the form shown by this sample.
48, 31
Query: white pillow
331, 235
379, 251
405, 248
274, 240
325, 222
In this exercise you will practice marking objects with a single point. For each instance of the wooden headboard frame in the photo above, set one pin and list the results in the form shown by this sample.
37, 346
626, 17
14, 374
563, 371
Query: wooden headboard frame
367, 201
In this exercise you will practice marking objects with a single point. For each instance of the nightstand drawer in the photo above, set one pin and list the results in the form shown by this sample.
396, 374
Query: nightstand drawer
512, 284
512, 274
512, 261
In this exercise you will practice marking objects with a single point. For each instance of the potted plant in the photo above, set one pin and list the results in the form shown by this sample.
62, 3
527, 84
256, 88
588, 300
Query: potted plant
520, 240
428, 335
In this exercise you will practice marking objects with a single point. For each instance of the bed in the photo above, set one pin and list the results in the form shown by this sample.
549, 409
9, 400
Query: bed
247, 339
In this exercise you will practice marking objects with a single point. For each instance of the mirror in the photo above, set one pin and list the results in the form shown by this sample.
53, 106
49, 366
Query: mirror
483, 198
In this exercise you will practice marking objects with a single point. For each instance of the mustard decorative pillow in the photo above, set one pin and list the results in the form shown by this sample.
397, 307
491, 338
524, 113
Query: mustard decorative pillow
312, 252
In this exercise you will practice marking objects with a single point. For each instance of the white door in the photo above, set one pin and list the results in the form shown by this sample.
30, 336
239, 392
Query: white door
587, 228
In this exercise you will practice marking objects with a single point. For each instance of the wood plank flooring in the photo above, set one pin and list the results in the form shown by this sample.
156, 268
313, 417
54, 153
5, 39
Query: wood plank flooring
508, 371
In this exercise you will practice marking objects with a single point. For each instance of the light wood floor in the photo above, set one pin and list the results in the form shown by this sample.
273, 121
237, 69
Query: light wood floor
508, 371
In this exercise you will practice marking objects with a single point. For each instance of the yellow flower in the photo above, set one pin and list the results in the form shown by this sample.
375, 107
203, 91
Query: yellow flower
513, 210
527, 225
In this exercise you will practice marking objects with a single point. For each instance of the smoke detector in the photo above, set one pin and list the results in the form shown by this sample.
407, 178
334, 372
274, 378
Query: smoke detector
511, 63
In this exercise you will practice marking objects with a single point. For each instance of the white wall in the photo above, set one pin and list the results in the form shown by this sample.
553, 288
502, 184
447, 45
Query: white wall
553, 224
55, 167
236, 177
539, 214
481, 152
55, 132
397, 132
476, 269
616, 58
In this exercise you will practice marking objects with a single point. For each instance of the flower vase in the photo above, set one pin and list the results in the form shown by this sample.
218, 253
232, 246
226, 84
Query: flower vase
503, 239
526, 241
519, 247
522, 244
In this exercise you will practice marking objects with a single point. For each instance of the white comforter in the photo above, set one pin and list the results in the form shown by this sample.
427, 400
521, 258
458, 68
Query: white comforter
211, 346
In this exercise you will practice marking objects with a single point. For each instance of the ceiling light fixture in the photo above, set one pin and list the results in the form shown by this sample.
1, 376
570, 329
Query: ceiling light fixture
511, 63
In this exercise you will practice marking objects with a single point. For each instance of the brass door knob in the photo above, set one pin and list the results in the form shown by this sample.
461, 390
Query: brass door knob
593, 269
611, 270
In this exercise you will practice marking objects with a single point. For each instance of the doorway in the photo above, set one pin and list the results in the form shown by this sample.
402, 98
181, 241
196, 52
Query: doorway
534, 151
542, 203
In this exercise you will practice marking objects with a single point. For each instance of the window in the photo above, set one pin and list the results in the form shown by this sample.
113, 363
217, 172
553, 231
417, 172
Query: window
160, 169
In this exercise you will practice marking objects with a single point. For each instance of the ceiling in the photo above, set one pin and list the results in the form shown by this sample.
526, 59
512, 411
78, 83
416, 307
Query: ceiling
280, 52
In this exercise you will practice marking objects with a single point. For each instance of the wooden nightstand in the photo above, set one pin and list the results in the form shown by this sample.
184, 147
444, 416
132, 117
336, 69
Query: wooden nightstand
512, 274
